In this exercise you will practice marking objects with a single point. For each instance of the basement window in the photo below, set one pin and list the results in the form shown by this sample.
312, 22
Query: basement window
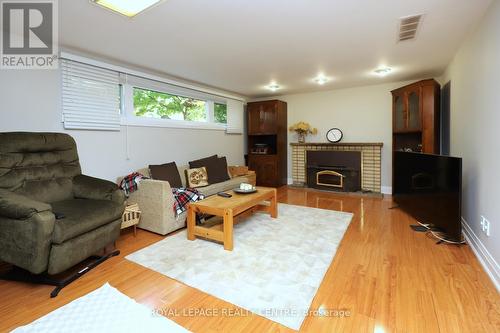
102, 96
220, 113
160, 105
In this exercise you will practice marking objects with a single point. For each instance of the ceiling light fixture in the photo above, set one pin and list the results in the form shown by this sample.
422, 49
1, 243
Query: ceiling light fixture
128, 8
321, 79
383, 71
273, 86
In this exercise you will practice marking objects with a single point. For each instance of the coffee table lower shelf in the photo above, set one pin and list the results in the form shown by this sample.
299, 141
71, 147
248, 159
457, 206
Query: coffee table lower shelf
230, 210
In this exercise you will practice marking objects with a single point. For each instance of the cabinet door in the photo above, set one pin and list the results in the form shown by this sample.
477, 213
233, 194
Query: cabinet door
269, 118
414, 107
399, 113
254, 118
262, 118
266, 168
430, 120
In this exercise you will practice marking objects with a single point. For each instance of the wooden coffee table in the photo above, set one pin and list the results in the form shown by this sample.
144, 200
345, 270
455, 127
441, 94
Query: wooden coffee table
229, 209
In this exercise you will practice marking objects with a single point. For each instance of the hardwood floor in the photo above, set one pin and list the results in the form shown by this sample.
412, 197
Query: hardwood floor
388, 277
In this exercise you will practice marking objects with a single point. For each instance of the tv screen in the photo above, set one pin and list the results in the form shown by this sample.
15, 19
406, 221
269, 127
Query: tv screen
428, 187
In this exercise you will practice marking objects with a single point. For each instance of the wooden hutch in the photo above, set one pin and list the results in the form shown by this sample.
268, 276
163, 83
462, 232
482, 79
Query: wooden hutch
267, 142
416, 117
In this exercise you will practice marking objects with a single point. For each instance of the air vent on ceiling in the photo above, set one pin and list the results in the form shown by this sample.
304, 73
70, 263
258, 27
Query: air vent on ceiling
408, 27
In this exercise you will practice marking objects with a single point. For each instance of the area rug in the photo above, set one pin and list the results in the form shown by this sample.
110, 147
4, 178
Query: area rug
274, 270
104, 310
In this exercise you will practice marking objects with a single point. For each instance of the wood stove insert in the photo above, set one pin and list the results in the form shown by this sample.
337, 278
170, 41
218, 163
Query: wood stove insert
334, 170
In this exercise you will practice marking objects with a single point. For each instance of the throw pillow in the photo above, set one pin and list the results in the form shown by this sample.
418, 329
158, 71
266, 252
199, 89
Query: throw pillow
219, 173
202, 162
166, 172
216, 168
197, 177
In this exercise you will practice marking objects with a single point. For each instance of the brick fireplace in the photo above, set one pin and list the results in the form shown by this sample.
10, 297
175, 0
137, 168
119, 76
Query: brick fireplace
331, 173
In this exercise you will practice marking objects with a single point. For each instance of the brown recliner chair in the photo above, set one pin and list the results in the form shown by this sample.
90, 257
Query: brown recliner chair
51, 216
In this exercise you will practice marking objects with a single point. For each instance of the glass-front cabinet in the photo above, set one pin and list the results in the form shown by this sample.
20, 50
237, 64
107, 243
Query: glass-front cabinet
399, 113
407, 111
416, 117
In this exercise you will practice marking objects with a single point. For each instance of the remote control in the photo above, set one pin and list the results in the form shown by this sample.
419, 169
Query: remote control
59, 216
224, 194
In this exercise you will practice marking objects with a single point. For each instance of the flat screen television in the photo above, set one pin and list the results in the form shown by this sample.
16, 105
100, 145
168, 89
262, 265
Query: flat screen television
428, 187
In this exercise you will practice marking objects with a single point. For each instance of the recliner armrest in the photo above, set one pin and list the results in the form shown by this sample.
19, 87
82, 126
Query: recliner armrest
86, 187
17, 206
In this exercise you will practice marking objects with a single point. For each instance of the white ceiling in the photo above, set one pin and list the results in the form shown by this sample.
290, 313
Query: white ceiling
242, 45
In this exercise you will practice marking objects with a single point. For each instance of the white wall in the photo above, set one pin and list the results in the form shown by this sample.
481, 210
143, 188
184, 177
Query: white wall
30, 100
475, 127
364, 114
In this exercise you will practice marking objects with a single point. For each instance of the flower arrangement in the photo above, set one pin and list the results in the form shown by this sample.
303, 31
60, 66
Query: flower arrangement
303, 129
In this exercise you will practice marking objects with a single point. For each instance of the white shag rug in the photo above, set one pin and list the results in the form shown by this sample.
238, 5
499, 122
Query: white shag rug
104, 310
276, 266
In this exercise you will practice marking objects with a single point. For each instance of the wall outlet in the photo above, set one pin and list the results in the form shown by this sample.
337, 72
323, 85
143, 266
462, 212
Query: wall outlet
485, 225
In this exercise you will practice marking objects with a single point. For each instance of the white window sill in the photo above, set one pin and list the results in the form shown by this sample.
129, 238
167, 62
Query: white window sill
169, 123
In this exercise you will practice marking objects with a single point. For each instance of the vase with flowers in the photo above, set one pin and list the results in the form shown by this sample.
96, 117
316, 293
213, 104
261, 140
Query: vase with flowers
303, 129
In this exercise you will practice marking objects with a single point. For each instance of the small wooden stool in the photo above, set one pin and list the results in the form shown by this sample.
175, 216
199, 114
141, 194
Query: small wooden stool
131, 217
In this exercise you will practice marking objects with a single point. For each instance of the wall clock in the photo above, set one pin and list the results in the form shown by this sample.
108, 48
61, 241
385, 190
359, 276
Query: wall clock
334, 135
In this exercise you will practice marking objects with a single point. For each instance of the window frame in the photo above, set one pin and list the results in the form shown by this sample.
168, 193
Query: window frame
235, 103
213, 112
128, 114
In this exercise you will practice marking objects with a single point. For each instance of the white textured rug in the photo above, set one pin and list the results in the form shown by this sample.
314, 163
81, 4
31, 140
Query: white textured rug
274, 270
104, 310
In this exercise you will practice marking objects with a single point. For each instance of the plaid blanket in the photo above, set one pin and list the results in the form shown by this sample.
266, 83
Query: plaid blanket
183, 196
131, 182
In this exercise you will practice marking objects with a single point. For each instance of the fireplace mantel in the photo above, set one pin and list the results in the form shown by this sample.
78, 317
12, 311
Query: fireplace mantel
339, 144
371, 161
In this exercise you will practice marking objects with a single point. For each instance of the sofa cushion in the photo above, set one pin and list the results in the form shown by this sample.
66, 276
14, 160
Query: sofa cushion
223, 186
81, 216
216, 168
166, 172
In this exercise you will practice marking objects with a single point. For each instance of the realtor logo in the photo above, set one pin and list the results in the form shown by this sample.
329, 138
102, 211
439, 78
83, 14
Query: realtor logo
29, 34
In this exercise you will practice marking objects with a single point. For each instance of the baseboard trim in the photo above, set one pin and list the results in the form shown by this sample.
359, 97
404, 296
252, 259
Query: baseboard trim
489, 263
386, 189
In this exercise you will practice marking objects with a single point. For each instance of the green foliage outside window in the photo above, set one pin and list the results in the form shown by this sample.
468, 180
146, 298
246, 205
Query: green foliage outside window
148, 103
220, 113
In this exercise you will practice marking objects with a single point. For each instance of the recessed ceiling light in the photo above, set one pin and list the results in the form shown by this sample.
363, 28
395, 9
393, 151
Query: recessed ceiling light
321, 79
128, 8
383, 71
273, 86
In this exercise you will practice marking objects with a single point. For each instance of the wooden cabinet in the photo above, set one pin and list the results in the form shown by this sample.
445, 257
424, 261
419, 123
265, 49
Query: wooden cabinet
266, 168
267, 127
262, 118
407, 110
416, 117
399, 113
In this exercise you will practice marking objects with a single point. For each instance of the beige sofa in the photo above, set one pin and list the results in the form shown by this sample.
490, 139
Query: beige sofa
156, 201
